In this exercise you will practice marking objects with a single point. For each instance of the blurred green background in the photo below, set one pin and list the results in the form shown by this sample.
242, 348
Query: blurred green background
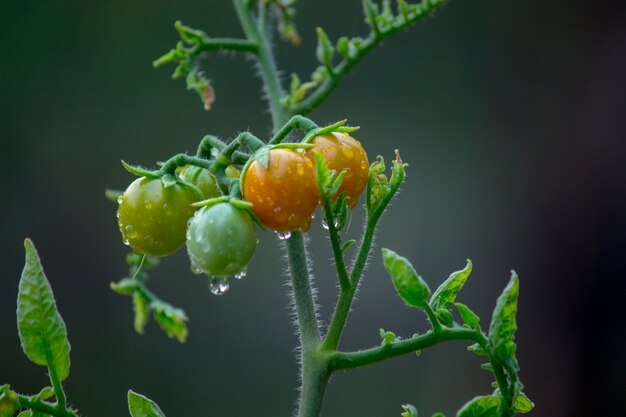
511, 114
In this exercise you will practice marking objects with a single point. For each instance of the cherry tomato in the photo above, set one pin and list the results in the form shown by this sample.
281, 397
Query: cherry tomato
202, 178
343, 153
153, 218
221, 240
284, 195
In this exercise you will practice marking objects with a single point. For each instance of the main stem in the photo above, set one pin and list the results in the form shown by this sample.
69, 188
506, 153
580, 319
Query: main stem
314, 366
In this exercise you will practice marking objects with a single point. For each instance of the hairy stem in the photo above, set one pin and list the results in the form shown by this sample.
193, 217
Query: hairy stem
44, 407
301, 283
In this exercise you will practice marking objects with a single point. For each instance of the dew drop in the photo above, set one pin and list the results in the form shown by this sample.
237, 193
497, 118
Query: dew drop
126, 242
325, 223
218, 285
128, 227
119, 199
283, 235
147, 204
196, 269
241, 274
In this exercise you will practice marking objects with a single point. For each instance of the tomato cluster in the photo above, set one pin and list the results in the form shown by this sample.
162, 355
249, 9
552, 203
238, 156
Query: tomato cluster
284, 195
156, 220
157, 216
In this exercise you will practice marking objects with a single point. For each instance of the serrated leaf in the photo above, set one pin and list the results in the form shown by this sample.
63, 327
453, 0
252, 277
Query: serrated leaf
468, 316
409, 411
522, 403
503, 324
484, 406
445, 295
409, 285
172, 320
140, 406
141, 308
42, 330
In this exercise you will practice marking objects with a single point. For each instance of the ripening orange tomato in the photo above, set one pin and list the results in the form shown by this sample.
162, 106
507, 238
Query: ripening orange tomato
344, 153
284, 195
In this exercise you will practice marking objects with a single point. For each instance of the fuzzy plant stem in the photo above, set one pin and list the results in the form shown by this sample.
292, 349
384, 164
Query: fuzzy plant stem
314, 371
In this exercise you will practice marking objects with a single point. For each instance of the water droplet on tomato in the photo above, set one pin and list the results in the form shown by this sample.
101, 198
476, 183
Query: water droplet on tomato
241, 274
283, 235
196, 269
219, 285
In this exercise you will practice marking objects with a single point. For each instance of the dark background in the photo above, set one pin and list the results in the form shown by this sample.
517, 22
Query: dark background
511, 115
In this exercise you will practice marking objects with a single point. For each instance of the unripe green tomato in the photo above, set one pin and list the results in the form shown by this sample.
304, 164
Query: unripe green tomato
202, 178
153, 218
221, 240
9, 403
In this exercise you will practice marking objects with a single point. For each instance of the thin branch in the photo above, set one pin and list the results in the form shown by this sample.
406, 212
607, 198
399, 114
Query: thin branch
350, 360
375, 37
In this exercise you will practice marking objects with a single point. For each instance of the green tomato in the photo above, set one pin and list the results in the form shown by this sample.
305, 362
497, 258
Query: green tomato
202, 178
153, 218
221, 240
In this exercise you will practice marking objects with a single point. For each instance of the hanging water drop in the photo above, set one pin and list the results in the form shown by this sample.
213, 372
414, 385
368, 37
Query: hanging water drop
283, 235
241, 274
324, 223
218, 285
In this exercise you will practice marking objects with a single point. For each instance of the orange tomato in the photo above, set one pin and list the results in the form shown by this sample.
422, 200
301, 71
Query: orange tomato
284, 195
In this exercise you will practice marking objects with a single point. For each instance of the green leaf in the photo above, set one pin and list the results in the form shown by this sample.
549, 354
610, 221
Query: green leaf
140, 172
389, 338
325, 50
172, 320
503, 324
347, 245
409, 285
522, 403
445, 295
262, 156
485, 406
42, 331
126, 286
141, 308
468, 316
477, 349
140, 406
45, 394
409, 411
444, 316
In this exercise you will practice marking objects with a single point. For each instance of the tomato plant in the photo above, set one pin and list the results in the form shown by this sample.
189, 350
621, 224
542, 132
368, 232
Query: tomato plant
221, 240
343, 153
153, 217
283, 194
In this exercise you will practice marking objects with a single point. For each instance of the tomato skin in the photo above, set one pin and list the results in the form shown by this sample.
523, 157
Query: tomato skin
202, 178
342, 152
285, 195
221, 240
153, 218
